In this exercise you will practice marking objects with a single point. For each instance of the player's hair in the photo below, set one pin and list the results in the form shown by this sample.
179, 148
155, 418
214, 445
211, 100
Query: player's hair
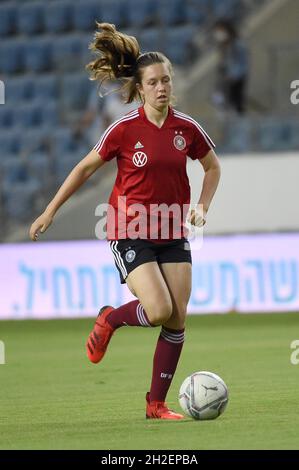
119, 58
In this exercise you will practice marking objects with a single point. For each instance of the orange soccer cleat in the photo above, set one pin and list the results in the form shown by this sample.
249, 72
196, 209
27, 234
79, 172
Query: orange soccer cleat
100, 336
159, 410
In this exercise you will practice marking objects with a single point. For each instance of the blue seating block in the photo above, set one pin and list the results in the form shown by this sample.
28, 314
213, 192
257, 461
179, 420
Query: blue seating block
39, 167
85, 14
49, 114
19, 203
62, 141
171, 12
30, 18
67, 51
178, 44
65, 163
11, 56
10, 142
8, 12
225, 8
113, 11
13, 170
18, 89
75, 90
150, 39
38, 56
27, 115
34, 139
58, 16
141, 13
6, 117
196, 11
45, 87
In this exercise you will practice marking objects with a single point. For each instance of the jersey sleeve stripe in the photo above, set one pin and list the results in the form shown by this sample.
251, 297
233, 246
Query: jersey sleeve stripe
128, 117
180, 115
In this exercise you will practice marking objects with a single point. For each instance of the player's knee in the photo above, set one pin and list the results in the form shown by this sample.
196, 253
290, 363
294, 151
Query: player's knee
178, 317
160, 313
183, 312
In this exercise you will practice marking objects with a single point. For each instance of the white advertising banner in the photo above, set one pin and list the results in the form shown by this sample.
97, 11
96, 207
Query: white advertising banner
252, 273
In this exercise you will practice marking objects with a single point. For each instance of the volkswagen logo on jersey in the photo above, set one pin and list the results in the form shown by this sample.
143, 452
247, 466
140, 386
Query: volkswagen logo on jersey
139, 159
179, 142
130, 256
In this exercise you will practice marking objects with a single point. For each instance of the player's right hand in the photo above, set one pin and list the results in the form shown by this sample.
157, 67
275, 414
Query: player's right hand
40, 225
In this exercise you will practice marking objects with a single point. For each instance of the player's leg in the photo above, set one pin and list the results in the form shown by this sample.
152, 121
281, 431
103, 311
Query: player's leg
137, 265
170, 342
154, 305
177, 276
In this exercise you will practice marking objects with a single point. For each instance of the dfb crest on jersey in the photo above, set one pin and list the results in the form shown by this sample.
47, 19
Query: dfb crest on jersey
139, 159
179, 142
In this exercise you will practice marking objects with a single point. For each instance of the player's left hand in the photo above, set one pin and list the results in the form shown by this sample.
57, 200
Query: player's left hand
197, 217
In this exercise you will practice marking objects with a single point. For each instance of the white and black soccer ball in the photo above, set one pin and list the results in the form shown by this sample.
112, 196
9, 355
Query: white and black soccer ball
203, 395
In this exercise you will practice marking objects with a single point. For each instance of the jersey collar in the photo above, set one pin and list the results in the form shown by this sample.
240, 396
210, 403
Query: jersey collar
149, 123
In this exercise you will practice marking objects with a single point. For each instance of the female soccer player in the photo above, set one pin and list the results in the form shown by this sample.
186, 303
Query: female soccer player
151, 145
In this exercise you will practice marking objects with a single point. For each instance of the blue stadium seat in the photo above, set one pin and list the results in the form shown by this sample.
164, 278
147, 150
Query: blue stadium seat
39, 167
14, 170
67, 51
58, 16
45, 87
228, 9
27, 115
34, 139
62, 141
11, 56
85, 13
113, 11
10, 142
171, 12
141, 13
178, 44
20, 202
49, 114
150, 39
18, 89
75, 90
38, 54
7, 18
64, 163
6, 117
196, 11
30, 18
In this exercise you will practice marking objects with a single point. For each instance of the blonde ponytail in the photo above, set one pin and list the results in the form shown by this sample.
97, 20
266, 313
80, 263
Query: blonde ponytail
119, 58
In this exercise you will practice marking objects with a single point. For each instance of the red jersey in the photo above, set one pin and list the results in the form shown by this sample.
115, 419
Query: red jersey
151, 171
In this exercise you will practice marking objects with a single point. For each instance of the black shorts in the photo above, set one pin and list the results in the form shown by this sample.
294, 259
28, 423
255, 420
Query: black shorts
128, 254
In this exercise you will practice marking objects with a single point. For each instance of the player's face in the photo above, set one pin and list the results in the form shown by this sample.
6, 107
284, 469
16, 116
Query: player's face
156, 85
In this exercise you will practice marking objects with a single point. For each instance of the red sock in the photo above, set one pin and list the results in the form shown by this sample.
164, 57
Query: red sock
131, 314
166, 358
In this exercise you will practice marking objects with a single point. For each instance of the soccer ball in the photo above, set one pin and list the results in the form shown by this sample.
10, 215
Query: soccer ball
203, 395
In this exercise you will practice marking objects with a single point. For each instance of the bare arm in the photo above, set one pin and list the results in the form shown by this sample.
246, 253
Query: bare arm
212, 170
80, 173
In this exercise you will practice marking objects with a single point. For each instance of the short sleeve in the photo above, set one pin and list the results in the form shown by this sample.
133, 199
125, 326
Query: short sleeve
201, 143
108, 146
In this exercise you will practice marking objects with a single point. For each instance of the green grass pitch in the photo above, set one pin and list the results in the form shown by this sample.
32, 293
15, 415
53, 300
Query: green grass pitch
53, 398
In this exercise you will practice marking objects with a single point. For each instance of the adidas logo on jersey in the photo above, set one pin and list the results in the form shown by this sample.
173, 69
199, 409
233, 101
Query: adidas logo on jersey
138, 145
